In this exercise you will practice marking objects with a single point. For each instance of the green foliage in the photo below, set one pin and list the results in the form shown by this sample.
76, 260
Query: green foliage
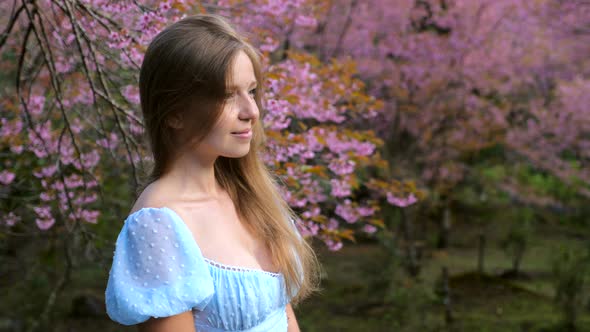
545, 184
493, 152
517, 238
411, 304
572, 283
494, 173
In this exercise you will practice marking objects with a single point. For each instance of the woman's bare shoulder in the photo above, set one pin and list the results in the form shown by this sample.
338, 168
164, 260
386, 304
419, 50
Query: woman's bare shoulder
152, 196
159, 194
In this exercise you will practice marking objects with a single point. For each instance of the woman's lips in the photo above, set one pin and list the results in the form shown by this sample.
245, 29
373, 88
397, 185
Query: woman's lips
243, 134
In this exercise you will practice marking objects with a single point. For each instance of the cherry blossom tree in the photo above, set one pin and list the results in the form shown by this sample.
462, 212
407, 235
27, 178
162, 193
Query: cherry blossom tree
467, 83
72, 118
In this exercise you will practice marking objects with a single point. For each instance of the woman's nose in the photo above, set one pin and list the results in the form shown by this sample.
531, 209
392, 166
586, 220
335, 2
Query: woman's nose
249, 109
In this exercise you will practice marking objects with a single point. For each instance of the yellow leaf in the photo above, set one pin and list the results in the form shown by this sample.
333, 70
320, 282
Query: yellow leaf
319, 219
347, 234
377, 222
292, 99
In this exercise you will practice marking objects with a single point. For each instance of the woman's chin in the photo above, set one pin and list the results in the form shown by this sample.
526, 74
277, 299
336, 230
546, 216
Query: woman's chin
237, 154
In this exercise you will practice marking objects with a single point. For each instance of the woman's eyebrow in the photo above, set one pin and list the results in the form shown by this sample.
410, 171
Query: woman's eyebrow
235, 87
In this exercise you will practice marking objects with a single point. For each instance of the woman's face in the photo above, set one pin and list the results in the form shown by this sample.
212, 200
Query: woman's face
232, 134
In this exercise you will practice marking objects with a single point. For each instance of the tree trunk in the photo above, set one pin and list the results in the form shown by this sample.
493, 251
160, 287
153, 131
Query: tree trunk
517, 260
481, 252
447, 296
413, 267
445, 228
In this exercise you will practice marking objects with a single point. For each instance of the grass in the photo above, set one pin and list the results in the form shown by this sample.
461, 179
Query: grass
480, 302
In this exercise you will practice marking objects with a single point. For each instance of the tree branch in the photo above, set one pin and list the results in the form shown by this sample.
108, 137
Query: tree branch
13, 17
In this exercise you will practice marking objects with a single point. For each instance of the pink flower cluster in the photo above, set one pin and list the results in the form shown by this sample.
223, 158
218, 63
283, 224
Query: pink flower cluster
6, 177
401, 202
45, 218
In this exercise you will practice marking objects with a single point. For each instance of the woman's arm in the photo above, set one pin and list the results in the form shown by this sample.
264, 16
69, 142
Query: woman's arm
291, 320
183, 322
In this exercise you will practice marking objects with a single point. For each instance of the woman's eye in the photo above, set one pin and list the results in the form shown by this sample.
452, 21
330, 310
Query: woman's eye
252, 92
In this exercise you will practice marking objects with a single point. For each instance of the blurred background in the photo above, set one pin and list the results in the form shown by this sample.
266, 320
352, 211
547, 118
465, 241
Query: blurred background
437, 152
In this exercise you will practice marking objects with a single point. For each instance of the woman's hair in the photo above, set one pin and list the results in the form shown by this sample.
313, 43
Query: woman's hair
185, 73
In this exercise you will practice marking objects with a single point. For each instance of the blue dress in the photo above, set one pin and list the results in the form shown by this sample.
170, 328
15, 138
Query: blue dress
158, 271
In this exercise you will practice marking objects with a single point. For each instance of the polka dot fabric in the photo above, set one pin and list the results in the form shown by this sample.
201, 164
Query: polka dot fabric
158, 271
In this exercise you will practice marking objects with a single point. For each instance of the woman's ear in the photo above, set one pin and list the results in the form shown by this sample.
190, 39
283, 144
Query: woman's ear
175, 121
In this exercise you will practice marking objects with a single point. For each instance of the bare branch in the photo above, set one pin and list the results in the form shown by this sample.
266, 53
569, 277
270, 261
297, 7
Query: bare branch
104, 85
347, 23
49, 62
13, 17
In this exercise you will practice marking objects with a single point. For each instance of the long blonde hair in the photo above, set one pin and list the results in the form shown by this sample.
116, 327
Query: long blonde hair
185, 71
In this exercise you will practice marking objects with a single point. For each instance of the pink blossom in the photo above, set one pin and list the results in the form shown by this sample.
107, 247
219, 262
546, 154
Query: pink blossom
340, 188
62, 65
347, 212
136, 129
45, 219
17, 149
334, 245
312, 142
113, 141
369, 228
309, 229
332, 224
44, 143
45, 224
315, 211
58, 185
10, 128
11, 219
342, 166
85, 215
46, 197
46, 171
6, 177
90, 159
43, 211
365, 211
305, 21
364, 148
73, 181
277, 116
131, 93
269, 45
35, 104
90, 198
401, 202
164, 6
76, 126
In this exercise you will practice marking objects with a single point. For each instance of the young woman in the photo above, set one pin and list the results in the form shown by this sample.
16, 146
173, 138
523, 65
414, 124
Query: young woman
209, 245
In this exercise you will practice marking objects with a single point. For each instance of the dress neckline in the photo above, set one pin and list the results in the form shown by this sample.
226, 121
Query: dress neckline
211, 262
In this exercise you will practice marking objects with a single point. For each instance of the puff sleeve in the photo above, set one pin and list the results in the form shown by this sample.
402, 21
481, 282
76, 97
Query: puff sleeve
158, 269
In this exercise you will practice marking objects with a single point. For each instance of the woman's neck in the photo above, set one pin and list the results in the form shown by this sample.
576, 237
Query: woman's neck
193, 177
